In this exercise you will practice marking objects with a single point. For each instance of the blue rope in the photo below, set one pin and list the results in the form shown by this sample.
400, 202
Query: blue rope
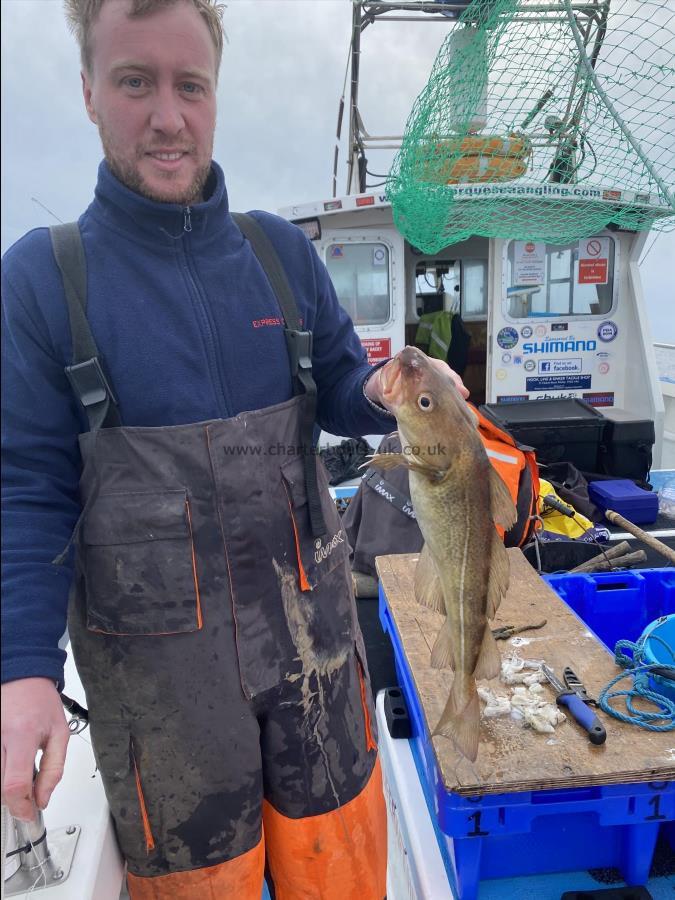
639, 671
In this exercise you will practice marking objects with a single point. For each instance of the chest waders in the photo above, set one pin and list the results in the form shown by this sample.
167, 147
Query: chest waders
215, 633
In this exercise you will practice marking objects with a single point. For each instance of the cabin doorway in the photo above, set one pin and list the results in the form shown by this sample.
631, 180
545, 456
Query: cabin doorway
448, 316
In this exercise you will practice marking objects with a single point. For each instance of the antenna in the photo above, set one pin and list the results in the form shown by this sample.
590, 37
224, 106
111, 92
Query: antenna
35, 200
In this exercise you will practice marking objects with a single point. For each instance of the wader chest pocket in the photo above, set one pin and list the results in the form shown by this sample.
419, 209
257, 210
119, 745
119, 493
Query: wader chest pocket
139, 564
316, 556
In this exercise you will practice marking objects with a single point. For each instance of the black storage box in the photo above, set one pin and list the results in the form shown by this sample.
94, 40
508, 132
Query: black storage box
626, 446
559, 430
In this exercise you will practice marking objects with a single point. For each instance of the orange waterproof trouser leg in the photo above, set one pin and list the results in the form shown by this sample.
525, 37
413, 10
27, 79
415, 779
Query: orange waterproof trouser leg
340, 855
313, 746
241, 877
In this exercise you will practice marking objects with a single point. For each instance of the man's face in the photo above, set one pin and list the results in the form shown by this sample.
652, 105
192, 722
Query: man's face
151, 92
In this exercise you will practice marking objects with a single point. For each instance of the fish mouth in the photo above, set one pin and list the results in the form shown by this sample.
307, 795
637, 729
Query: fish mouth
406, 365
411, 359
391, 379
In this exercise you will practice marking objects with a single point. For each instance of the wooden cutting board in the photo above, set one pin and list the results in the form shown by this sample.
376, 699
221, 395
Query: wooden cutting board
511, 757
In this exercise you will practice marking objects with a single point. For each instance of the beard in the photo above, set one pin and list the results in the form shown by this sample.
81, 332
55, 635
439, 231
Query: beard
126, 170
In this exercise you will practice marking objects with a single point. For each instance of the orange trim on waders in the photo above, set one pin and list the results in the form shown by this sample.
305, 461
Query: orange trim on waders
370, 741
241, 877
194, 567
338, 855
304, 583
147, 830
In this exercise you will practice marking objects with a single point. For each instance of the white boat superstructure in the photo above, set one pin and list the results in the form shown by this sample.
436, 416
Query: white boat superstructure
542, 320
664, 355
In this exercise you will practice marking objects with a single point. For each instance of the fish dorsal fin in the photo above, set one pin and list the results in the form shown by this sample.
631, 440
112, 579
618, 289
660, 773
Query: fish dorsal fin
498, 583
428, 590
489, 663
443, 652
503, 508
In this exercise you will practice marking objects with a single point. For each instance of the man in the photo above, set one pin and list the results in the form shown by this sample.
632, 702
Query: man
210, 618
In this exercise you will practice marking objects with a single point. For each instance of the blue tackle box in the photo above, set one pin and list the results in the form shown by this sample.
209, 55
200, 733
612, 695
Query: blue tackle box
626, 498
618, 606
495, 836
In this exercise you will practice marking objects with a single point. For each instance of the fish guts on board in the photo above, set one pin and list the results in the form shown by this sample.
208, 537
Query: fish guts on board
463, 569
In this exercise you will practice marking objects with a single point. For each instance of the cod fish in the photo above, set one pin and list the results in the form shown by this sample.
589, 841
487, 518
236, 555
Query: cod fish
463, 569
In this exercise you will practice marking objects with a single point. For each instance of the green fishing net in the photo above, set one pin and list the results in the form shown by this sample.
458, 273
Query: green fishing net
543, 120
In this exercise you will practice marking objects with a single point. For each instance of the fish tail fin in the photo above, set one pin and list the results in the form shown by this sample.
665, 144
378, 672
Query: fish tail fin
460, 720
489, 663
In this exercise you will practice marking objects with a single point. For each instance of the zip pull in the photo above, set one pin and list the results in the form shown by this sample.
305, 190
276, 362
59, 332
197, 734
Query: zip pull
187, 224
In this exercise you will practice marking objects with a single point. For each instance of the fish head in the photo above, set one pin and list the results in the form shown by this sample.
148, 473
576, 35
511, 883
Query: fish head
431, 414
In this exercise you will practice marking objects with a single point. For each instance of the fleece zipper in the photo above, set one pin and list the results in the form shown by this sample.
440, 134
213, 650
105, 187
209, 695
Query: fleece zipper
204, 314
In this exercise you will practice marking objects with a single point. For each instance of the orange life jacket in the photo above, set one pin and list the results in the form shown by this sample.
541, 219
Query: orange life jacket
517, 467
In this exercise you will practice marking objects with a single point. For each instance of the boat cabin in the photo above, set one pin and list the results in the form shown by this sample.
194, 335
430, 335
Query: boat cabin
524, 320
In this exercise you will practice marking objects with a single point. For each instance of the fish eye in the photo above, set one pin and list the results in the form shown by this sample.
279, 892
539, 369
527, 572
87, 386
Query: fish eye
425, 402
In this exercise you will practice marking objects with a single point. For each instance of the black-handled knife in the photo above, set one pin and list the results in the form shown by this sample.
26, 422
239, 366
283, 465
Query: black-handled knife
577, 708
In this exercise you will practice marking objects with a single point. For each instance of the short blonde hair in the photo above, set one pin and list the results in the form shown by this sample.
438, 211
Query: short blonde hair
81, 15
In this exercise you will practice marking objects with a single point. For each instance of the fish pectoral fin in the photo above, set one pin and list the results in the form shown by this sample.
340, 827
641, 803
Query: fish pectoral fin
500, 572
385, 460
443, 652
392, 460
460, 720
428, 590
504, 511
489, 663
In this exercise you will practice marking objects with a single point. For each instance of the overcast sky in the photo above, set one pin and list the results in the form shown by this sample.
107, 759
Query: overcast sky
280, 83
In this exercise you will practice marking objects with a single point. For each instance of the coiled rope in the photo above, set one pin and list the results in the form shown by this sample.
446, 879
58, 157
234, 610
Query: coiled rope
639, 671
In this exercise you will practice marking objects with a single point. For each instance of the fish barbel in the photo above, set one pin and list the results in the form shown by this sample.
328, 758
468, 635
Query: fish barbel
463, 569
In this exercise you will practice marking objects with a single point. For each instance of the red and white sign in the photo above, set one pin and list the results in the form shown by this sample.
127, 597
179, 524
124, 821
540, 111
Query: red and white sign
529, 263
378, 349
593, 261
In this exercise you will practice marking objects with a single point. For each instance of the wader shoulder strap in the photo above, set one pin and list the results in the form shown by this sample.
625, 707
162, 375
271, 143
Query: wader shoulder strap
388, 492
85, 373
299, 345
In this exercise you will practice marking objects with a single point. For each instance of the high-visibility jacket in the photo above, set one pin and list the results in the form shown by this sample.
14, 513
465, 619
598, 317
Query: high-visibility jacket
423, 335
517, 466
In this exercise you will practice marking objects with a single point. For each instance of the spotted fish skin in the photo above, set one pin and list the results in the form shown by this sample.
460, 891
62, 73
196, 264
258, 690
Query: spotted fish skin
458, 497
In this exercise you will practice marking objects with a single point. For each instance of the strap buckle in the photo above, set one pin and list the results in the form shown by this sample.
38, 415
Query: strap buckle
299, 345
89, 383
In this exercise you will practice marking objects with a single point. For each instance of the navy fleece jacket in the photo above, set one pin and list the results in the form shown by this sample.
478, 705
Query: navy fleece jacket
189, 329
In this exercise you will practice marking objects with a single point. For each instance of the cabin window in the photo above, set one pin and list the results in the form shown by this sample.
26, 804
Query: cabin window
474, 289
546, 280
454, 285
360, 275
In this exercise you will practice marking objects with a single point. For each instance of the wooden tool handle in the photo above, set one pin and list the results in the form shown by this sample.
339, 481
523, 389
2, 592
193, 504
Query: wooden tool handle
617, 562
641, 535
610, 553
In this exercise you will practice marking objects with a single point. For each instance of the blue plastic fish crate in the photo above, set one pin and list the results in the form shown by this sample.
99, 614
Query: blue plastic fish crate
532, 832
618, 606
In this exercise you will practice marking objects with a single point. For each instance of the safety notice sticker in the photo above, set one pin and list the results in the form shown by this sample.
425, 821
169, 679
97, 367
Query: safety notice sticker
378, 349
593, 260
529, 262
558, 383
